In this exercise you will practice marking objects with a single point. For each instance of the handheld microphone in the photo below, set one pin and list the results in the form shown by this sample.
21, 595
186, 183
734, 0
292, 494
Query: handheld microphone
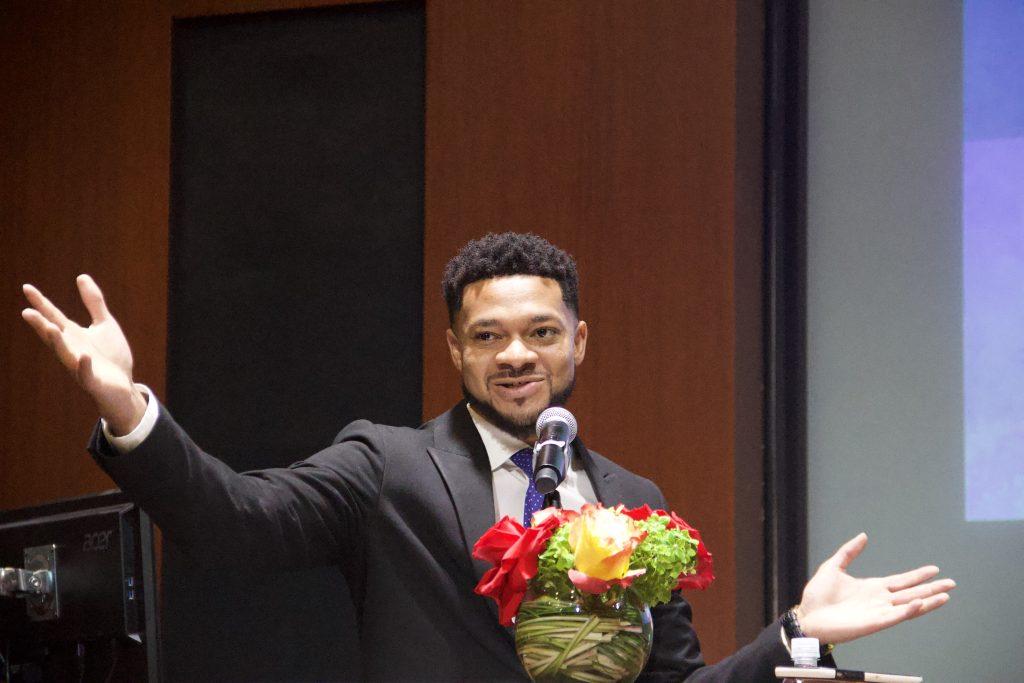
556, 428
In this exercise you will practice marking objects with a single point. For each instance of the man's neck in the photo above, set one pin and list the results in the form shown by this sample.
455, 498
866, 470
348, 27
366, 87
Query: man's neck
499, 444
486, 413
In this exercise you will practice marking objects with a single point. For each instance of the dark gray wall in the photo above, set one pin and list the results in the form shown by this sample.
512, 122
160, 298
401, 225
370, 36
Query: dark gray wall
295, 299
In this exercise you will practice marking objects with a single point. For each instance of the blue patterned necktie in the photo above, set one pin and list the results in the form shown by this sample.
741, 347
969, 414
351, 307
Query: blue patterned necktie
534, 499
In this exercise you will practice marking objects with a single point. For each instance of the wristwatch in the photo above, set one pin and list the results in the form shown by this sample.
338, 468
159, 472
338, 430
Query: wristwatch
791, 627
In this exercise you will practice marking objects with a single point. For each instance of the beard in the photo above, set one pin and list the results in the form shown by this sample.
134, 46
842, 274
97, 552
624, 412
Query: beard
523, 428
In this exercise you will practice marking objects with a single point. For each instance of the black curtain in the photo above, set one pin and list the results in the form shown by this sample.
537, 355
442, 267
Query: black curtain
296, 255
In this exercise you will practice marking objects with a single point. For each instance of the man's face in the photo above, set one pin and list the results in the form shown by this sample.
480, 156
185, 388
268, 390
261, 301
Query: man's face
517, 345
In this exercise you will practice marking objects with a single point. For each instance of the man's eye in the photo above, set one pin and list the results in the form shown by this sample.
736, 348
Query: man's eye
546, 332
485, 336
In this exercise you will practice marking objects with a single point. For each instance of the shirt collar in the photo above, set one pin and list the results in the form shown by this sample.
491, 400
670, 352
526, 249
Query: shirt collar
501, 445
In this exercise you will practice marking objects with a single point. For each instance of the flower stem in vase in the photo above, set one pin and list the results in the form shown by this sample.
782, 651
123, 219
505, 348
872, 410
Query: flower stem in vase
582, 639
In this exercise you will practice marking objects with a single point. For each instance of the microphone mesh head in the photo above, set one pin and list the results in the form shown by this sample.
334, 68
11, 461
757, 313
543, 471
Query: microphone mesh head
559, 414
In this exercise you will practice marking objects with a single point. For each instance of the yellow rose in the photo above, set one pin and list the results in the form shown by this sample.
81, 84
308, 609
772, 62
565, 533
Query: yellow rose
602, 541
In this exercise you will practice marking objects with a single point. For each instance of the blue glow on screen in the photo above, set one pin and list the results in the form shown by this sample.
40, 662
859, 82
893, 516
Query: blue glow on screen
993, 223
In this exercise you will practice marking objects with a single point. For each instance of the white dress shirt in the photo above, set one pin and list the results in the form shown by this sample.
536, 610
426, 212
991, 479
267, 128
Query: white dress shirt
131, 440
510, 482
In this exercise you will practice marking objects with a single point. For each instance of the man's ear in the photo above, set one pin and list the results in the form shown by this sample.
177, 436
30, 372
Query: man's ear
579, 341
455, 349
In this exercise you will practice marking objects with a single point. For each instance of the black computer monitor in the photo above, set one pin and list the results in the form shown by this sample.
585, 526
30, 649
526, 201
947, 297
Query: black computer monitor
100, 622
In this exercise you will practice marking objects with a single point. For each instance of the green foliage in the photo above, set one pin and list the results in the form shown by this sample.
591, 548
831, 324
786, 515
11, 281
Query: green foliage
665, 553
554, 564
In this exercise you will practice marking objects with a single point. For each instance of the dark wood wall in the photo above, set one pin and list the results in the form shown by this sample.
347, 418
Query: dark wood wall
608, 127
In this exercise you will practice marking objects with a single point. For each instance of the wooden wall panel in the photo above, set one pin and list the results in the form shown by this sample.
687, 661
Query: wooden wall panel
609, 128
83, 186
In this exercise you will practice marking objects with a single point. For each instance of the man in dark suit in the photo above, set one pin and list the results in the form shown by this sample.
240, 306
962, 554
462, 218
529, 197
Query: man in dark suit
399, 509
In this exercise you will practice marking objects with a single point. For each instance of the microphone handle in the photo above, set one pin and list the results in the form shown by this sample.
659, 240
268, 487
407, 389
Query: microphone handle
550, 461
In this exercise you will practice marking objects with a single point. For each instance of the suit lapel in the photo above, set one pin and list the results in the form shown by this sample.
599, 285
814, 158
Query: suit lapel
461, 460
605, 482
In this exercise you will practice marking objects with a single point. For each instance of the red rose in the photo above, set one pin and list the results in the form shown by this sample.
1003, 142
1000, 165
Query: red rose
639, 514
498, 539
515, 560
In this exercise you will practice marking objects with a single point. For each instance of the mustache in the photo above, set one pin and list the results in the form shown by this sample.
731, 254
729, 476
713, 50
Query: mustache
515, 374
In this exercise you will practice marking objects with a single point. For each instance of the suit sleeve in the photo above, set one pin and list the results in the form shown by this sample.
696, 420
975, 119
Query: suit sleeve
308, 514
676, 655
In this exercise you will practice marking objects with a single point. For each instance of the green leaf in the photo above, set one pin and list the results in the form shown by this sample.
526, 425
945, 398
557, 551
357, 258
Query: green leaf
665, 554
553, 565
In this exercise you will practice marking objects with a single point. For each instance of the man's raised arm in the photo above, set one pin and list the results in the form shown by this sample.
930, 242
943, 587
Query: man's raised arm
307, 514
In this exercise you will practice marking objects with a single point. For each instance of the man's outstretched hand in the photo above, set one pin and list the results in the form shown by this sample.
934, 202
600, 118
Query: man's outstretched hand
98, 356
836, 607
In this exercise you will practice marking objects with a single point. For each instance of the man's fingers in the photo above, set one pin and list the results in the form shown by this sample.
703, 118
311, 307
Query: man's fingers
916, 608
897, 614
913, 609
898, 582
92, 297
52, 335
909, 610
44, 306
923, 591
849, 551
933, 603
39, 324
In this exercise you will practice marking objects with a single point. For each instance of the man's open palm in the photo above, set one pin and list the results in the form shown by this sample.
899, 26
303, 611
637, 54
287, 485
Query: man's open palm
837, 607
98, 356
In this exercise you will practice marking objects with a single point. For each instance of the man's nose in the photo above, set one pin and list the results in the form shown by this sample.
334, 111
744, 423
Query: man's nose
516, 354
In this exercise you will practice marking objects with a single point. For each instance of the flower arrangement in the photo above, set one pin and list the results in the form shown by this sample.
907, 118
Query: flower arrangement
578, 585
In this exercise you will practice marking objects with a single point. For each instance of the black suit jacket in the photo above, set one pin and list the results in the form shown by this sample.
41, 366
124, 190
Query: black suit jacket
399, 510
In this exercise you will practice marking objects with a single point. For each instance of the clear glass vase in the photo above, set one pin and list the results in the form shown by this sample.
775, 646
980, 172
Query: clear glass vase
575, 636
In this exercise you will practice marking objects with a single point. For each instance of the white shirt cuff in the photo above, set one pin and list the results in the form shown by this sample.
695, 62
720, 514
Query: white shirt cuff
131, 440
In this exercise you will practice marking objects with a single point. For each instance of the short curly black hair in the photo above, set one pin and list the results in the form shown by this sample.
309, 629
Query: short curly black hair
509, 253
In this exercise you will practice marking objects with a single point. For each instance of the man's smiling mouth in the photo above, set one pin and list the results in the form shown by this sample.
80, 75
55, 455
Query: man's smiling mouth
517, 387
517, 381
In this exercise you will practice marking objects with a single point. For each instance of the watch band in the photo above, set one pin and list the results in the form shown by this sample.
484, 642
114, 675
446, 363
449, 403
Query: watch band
791, 627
